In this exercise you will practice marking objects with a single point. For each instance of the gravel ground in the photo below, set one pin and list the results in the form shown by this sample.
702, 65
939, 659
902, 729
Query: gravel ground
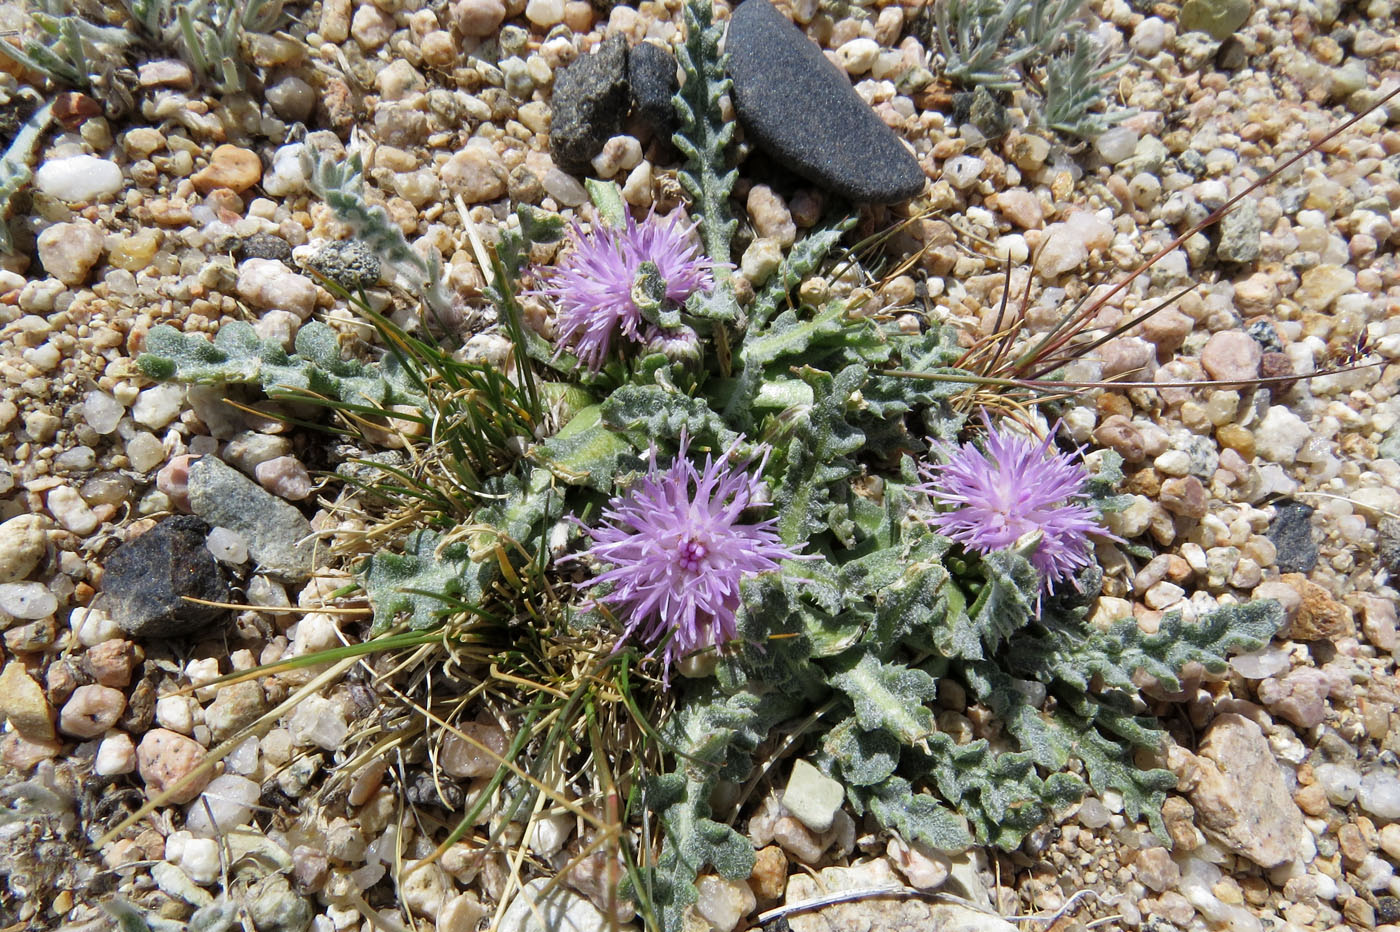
192, 210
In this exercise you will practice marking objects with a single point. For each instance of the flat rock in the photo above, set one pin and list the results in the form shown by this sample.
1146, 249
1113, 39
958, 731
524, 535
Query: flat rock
879, 914
278, 535
1240, 796
652, 81
590, 101
802, 110
145, 581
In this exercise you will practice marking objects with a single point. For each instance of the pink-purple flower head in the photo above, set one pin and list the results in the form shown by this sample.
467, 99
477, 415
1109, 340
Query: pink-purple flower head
597, 287
1017, 487
678, 551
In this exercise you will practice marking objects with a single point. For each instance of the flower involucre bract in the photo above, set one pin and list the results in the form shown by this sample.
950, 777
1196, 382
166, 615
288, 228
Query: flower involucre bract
678, 551
1012, 490
594, 285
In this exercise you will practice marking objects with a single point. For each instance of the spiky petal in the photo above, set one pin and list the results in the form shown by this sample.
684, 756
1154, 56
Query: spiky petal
678, 550
1017, 487
593, 286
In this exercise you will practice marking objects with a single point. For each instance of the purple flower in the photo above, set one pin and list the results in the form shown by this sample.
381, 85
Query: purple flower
1012, 490
678, 551
597, 286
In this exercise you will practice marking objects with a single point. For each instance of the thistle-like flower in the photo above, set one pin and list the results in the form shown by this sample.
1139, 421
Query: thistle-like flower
678, 551
1011, 491
615, 280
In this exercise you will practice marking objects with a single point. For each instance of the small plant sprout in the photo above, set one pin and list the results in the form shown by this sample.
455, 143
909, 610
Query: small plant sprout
678, 550
1012, 493
617, 279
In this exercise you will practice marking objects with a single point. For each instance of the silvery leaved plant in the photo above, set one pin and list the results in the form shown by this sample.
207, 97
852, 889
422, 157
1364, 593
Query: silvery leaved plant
809, 505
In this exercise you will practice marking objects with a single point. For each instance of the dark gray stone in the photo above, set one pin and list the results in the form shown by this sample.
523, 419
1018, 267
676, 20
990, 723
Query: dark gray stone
1291, 533
801, 109
145, 581
349, 263
590, 102
651, 76
279, 536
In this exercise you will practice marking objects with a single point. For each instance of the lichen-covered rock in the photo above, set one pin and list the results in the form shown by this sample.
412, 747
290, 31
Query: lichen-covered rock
278, 535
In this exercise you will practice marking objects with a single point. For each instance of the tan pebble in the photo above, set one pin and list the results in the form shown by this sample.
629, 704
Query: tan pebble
463, 757
1186, 497
1319, 617
1021, 207
578, 15
476, 174
371, 27
1359, 913
462, 913
134, 252
23, 543
68, 251
111, 662
229, 167
478, 17
770, 870
1322, 285
439, 51
22, 702
335, 20
1312, 799
1239, 439
165, 73
1351, 844
1121, 435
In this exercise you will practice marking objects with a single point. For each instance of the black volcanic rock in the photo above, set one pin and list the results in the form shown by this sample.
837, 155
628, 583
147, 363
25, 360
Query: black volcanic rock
802, 110
589, 104
651, 73
145, 581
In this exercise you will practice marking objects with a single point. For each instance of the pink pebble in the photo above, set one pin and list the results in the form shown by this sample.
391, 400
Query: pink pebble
284, 476
173, 479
